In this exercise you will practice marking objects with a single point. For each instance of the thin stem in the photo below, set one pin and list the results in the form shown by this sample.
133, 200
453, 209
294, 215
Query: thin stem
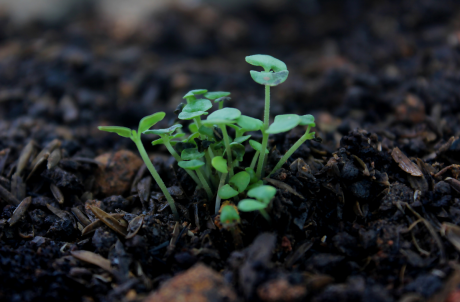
254, 160
205, 184
156, 177
260, 164
265, 214
173, 152
223, 177
293, 148
221, 104
267, 106
229, 150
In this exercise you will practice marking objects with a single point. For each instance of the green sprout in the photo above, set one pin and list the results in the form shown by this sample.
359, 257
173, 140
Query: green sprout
145, 123
211, 155
263, 195
229, 216
275, 72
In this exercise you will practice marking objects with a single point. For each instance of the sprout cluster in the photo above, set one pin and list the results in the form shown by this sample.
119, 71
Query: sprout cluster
210, 155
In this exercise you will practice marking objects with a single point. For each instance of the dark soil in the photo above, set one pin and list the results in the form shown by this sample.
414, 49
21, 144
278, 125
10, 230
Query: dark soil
368, 214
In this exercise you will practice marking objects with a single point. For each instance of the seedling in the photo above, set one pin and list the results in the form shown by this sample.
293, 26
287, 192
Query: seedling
210, 155
275, 72
229, 218
263, 195
145, 123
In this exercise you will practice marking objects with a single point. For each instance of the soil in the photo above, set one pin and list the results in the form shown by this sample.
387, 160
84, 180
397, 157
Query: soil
366, 212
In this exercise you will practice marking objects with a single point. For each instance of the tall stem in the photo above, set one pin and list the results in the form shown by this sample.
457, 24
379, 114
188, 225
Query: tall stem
291, 150
260, 165
229, 150
267, 106
156, 177
205, 184
221, 184
179, 159
254, 160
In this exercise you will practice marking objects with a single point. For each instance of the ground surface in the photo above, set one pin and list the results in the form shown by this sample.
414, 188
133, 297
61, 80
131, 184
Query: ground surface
369, 214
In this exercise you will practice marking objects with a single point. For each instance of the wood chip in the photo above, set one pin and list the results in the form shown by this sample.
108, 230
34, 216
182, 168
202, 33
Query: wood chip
80, 216
110, 221
20, 210
24, 157
455, 184
54, 158
93, 258
47, 150
283, 186
8, 197
405, 163
57, 193
134, 226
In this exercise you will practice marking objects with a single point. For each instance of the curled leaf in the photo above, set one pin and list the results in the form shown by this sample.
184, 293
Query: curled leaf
267, 62
227, 192
240, 181
195, 92
256, 146
220, 164
167, 131
269, 78
191, 165
249, 123
216, 95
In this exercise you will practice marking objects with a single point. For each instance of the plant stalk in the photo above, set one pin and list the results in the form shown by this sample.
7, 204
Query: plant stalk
223, 177
291, 150
254, 160
260, 166
156, 177
205, 184
229, 150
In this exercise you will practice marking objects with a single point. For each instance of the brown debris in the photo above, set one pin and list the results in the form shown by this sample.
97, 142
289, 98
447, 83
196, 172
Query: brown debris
116, 173
20, 210
405, 163
198, 283
93, 258
110, 221
281, 291
5, 195
134, 226
411, 110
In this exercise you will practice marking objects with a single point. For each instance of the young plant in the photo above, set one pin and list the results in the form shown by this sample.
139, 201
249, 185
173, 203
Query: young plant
263, 195
229, 219
275, 72
145, 123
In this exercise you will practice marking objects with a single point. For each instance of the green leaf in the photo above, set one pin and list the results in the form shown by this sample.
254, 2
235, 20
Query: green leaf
249, 205
195, 92
225, 114
216, 94
311, 135
192, 153
283, 123
262, 193
269, 78
206, 131
159, 141
121, 131
241, 139
256, 146
229, 215
168, 131
255, 185
249, 123
227, 192
191, 165
267, 62
220, 164
148, 121
197, 105
191, 138
252, 175
237, 151
307, 120
209, 122
191, 115
193, 128
240, 181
